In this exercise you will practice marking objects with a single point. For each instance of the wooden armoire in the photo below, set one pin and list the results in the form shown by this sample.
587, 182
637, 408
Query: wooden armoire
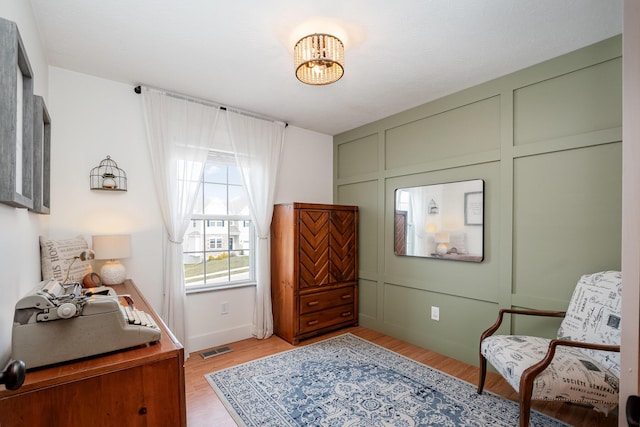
314, 269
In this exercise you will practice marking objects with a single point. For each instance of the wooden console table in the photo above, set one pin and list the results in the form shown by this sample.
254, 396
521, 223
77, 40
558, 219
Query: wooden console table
141, 386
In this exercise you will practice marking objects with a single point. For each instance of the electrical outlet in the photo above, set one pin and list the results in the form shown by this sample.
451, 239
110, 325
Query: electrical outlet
435, 313
224, 308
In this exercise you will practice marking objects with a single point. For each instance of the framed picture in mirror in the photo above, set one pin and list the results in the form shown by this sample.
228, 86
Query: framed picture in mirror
16, 116
473, 208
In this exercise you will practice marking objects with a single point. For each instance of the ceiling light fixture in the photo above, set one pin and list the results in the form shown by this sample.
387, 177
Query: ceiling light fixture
319, 59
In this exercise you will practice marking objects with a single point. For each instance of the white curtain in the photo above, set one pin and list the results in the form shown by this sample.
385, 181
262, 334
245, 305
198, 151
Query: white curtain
180, 135
258, 145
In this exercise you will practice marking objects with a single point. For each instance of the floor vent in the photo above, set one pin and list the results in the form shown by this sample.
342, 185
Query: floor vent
215, 352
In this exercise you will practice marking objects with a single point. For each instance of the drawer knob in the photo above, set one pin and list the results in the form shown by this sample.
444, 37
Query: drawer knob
346, 314
312, 322
312, 303
347, 296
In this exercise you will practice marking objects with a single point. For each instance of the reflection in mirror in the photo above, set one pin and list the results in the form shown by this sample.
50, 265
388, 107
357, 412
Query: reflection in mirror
441, 221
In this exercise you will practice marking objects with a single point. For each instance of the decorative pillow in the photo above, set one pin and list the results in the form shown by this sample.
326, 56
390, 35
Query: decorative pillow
594, 315
56, 256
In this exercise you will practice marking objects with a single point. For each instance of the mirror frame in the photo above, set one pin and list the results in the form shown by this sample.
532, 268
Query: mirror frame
444, 228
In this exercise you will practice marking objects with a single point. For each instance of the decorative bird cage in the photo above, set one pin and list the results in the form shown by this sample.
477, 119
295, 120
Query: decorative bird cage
108, 176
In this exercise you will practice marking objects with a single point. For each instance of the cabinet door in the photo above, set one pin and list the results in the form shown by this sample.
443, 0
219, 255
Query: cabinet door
313, 249
343, 247
140, 396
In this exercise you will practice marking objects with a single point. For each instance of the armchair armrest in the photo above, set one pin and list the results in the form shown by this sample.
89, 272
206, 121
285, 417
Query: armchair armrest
530, 374
535, 369
504, 311
494, 328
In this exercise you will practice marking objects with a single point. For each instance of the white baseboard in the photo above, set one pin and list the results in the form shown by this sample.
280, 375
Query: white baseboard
217, 338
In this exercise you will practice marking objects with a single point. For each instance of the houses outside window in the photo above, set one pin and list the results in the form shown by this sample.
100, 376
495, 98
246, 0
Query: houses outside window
218, 245
215, 243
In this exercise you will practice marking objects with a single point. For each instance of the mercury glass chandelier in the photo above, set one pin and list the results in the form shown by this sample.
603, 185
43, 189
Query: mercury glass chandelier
319, 59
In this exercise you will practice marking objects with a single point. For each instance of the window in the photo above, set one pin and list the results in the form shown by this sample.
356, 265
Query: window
218, 245
215, 243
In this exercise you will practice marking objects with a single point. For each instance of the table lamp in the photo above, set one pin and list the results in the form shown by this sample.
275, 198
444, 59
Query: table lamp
112, 248
442, 240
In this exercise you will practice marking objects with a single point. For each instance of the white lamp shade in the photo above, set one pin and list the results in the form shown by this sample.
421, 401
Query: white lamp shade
442, 237
112, 246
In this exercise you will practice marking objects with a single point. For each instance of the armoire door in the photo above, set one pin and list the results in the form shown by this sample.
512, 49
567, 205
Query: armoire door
342, 247
313, 249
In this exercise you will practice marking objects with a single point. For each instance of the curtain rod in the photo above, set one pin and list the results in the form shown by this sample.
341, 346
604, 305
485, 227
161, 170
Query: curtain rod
138, 90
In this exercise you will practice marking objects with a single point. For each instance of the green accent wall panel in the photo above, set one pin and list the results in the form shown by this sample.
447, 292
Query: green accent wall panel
368, 299
468, 279
407, 311
365, 196
567, 214
440, 136
585, 100
546, 141
358, 157
546, 327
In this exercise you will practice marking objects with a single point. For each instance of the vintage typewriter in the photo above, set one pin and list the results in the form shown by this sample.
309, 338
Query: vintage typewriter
58, 322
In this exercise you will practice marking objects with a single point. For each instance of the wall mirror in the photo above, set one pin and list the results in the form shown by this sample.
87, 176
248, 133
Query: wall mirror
444, 221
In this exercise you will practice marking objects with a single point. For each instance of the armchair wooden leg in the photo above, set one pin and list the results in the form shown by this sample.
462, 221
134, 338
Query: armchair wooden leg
526, 389
483, 373
525, 409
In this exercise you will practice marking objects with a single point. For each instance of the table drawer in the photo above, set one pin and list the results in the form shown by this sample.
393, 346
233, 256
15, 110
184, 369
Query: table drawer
321, 300
329, 317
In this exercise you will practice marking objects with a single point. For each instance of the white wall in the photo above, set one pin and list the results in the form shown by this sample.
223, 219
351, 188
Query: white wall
93, 118
19, 229
303, 174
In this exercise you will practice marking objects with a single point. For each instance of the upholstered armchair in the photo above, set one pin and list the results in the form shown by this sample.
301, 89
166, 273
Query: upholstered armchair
582, 365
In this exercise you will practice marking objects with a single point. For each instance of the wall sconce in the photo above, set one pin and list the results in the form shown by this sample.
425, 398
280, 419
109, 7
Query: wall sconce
108, 176
112, 248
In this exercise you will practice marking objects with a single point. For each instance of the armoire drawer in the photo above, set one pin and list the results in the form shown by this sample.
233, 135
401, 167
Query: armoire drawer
326, 299
322, 319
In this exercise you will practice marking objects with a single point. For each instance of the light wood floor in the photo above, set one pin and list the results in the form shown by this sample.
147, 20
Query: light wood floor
205, 409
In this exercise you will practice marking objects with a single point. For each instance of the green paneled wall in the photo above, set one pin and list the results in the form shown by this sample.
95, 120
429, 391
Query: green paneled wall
547, 142
433, 138
442, 276
358, 157
365, 196
566, 207
582, 101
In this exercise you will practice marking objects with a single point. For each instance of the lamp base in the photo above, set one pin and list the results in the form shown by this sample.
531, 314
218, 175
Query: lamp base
112, 273
441, 248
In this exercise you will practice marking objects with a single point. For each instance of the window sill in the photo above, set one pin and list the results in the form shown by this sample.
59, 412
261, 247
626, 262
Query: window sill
212, 288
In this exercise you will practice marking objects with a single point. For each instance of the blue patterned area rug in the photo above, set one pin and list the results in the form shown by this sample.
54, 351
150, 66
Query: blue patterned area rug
348, 381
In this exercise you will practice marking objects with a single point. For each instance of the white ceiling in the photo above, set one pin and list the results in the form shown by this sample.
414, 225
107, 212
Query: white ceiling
398, 54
